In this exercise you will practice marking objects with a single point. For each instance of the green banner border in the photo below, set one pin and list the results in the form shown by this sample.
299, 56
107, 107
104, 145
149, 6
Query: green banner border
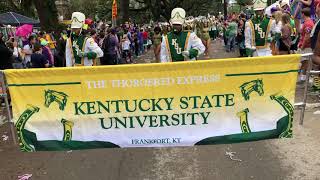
55, 145
282, 125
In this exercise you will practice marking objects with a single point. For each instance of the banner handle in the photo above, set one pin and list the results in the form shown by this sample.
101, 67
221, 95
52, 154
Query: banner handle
6, 101
305, 93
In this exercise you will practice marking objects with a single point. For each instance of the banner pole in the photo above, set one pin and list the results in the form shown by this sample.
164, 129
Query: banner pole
6, 101
305, 92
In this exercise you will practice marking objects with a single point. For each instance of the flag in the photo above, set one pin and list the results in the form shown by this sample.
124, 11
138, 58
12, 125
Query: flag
114, 9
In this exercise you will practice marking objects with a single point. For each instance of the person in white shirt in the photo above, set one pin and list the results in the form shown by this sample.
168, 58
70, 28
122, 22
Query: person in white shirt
276, 31
27, 50
125, 47
17, 63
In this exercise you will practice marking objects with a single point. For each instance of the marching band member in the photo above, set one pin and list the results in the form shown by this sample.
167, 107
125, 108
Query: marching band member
81, 50
180, 45
257, 34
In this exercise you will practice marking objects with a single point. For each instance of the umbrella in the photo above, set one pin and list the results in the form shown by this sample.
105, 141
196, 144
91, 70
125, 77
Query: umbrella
15, 19
24, 30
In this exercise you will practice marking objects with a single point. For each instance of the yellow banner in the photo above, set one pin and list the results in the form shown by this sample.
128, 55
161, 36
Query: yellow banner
154, 105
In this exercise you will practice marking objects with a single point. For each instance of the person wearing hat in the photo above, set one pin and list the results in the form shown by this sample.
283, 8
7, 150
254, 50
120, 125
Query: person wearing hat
258, 34
81, 50
180, 45
46, 51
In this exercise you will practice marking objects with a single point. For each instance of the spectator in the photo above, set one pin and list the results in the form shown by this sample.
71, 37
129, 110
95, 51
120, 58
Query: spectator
276, 31
125, 47
16, 60
46, 51
110, 47
309, 4
51, 41
296, 10
145, 39
232, 30
140, 39
136, 44
315, 45
59, 57
5, 54
38, 60
150, 36
240, 37
101, 38
94, 36
305, 42
285, 40
28, 50
157, 43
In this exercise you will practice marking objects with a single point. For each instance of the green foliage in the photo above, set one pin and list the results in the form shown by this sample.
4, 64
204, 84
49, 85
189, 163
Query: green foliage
5, 7
245, 2
234, 8
142, 11
104, 11
88, 7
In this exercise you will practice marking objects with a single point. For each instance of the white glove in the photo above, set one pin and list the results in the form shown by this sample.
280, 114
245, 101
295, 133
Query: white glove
80, 53
185, 54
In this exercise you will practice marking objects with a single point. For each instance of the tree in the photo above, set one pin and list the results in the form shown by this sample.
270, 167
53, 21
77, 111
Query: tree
87, 7
245, 2
145, 10
46, 11
163, 8
124, 10
48, 14
104, 11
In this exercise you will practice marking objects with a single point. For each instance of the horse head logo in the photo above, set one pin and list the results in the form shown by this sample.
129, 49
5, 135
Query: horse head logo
55, 96
252, 86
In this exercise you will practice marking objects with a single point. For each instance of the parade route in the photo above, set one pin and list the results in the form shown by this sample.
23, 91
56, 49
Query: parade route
276, 159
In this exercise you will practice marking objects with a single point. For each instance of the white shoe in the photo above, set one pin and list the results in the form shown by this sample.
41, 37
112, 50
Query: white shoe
302, 78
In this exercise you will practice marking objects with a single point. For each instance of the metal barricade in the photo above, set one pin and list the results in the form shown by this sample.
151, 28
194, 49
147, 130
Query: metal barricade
302, 105
4, 96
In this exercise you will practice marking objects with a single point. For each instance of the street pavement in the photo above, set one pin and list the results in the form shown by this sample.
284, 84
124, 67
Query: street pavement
279, 159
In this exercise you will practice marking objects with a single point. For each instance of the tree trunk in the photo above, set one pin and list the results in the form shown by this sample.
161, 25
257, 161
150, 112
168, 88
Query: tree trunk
225, 8
124, 9
48, 14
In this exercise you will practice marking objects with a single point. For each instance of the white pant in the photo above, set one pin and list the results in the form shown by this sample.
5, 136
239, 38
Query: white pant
262, 52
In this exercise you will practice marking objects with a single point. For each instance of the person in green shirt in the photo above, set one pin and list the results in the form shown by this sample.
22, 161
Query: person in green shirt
232, 30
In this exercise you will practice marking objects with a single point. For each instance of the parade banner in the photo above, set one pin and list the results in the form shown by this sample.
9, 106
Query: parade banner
154, 105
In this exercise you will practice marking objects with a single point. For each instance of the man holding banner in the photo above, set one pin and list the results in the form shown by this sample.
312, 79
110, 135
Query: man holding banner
180, 45
80, 49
